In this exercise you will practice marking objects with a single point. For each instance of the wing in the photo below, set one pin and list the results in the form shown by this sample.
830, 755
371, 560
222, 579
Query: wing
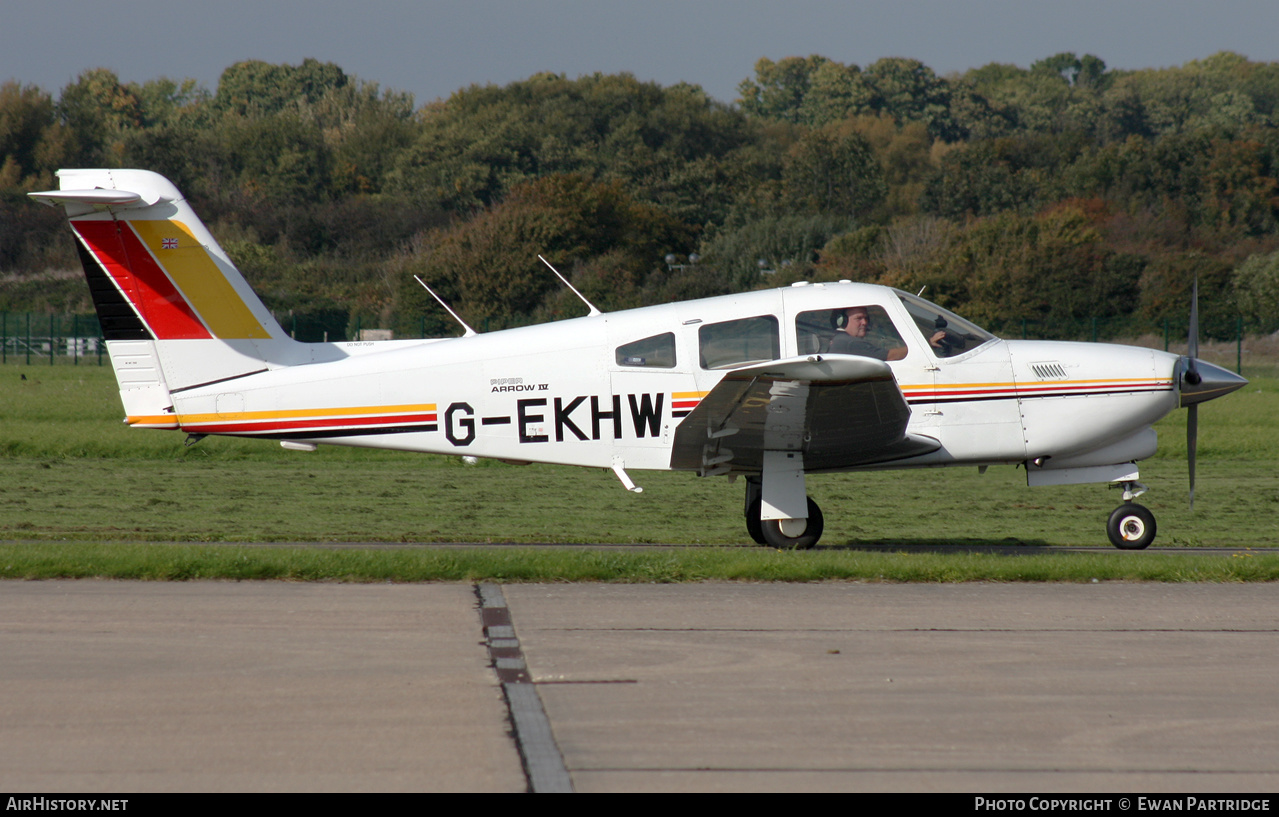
838, 410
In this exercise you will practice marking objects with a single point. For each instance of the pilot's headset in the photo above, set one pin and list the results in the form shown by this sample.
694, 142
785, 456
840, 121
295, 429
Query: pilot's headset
839, 318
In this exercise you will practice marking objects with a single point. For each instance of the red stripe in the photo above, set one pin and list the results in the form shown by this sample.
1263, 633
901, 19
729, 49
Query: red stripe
311, 425
679, 404
141, 280
1032, 391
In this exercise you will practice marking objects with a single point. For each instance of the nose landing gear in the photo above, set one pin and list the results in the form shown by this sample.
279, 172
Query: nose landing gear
1131, 526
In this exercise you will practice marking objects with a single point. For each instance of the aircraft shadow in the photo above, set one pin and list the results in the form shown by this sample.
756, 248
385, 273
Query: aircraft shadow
1015, 547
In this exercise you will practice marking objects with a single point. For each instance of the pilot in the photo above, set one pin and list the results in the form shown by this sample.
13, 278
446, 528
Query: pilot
851, 338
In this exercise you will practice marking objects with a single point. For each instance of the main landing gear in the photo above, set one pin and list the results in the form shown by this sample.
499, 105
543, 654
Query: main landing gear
783, 534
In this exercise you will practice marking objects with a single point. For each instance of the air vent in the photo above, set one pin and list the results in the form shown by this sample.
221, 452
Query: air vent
1049, 371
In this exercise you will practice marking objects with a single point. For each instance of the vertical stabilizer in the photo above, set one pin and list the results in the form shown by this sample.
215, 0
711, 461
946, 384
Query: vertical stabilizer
174, 310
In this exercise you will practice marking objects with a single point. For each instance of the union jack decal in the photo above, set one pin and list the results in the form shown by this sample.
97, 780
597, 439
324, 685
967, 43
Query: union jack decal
169, 244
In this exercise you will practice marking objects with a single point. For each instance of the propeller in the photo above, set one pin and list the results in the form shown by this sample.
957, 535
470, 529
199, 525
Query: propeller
1200, 382
1192, 378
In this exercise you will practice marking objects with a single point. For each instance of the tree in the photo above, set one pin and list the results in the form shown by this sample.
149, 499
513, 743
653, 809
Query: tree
780, 88
1077, 72
835, 93
1256, 289
1052, 268
256, 88
788, 246
909, 91
672, 146
99, 112
30, 147
488, 265
981, 178
280, 158
833, 170
904, 155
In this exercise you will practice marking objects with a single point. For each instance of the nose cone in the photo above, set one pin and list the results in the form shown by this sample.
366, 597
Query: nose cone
1205, 382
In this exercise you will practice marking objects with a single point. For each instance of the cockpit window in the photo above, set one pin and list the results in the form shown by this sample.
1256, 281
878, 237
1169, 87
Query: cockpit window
852, 330
734, 343
947, 333
657, 352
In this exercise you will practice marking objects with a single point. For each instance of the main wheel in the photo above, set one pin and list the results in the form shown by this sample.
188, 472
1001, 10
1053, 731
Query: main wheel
779, 533
1131, 527
753, 526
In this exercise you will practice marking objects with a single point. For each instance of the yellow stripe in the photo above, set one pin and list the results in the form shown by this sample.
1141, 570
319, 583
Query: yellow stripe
240, 416
686, 395
202, 283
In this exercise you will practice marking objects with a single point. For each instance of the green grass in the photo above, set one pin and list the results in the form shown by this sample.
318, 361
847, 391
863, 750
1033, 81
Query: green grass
174, 563
85, 487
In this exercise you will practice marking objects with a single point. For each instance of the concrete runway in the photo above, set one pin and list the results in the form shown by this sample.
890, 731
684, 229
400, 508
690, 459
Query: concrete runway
112, 686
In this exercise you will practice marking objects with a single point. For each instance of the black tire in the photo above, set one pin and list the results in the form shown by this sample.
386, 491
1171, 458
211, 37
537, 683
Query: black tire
753, 526
1131, 527
773, 536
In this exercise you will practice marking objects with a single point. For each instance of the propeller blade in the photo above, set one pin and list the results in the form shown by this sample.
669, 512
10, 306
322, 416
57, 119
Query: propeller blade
1192, 378
1192, 440
1192, 342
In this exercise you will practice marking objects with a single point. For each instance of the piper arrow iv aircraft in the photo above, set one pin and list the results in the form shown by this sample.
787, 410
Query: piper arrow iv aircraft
771, 386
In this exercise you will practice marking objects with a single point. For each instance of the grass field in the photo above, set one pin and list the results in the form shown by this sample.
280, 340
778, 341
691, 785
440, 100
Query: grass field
71, 472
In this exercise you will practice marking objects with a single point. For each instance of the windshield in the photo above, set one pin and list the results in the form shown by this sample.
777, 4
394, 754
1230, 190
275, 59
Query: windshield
947, 333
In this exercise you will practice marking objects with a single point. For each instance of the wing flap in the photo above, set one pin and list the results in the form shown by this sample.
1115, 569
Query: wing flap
840, 411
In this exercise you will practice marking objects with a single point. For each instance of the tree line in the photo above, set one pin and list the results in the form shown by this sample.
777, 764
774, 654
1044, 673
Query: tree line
1054, 194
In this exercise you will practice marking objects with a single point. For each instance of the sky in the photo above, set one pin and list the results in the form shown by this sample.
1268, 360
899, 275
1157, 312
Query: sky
431, 48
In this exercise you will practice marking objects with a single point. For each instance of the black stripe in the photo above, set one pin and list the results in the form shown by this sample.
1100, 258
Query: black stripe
116, 317
321, 434
991, 398
221, 380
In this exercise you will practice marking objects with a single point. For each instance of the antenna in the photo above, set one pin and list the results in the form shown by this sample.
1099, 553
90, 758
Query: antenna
921, 290
594, 311
469, 331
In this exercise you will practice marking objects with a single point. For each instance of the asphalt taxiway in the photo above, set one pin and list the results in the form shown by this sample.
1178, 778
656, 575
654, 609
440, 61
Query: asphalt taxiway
110, 686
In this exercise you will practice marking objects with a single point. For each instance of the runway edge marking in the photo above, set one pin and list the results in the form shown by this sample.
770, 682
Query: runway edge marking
543, 763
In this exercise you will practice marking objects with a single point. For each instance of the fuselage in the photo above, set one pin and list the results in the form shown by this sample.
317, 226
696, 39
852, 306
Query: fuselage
593, 390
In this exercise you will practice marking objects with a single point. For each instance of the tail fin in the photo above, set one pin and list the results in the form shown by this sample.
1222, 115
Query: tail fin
175, 312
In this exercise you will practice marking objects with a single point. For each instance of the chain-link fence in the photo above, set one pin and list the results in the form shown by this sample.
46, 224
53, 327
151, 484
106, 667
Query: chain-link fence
35, 338
32, 338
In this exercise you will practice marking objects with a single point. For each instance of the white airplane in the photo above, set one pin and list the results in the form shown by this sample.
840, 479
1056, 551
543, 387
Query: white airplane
770, 386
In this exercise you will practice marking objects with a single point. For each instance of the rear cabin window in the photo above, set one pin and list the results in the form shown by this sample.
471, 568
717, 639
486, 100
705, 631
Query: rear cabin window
657, 352
736, 343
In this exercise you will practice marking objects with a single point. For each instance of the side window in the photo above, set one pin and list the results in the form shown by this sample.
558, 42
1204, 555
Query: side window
655, 352
866, 331
734, 343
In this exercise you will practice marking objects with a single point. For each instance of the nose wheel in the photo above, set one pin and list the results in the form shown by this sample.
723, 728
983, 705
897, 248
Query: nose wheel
1131, 527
